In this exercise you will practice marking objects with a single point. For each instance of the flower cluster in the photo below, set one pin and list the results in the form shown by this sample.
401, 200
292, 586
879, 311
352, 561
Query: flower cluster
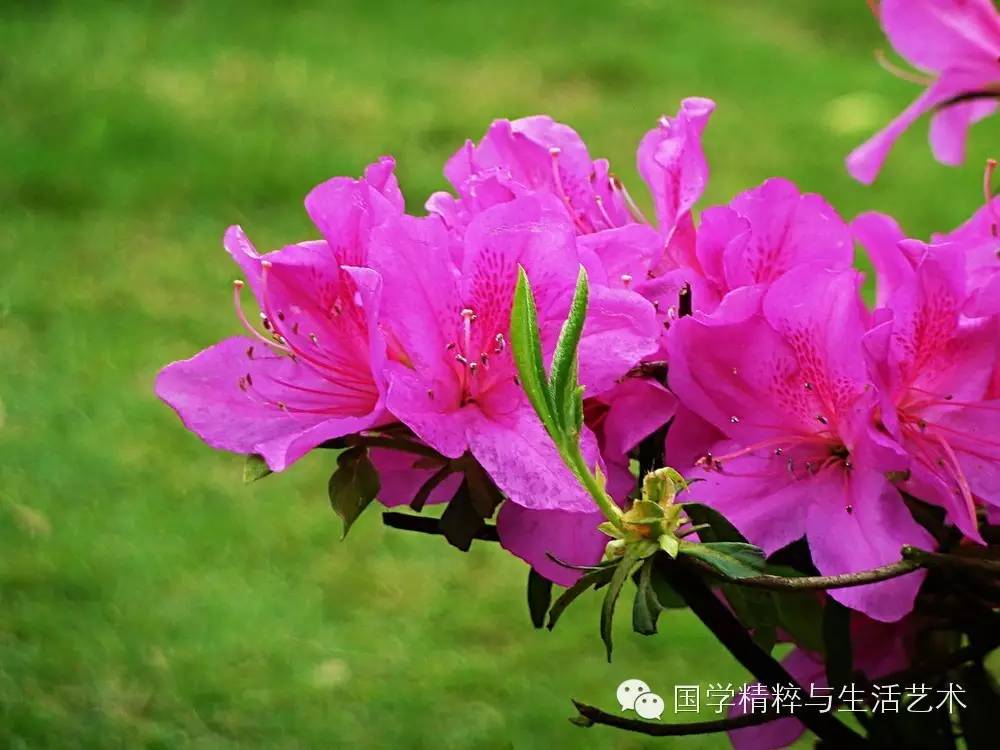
804, 412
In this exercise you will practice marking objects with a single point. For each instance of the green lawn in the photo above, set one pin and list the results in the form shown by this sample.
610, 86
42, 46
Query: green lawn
147, 597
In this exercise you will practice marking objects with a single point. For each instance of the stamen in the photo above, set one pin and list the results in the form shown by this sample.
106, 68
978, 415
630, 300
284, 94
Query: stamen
500, 343
991, 165
237, 288
561, 191
633, 208
626, 279
905, 75
604, 213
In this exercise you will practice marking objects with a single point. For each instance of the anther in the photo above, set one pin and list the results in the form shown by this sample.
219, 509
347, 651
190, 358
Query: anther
250, 352
821, 419
808, 386
500, 343
626, 279
734, 420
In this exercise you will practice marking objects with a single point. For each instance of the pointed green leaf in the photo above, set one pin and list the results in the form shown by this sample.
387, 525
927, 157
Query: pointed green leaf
669, 544
593, 578
353, 485
539, 597
643, 511
622, 571
254, 468
562, 381
646, 607
526, 347
732, 559
720, 530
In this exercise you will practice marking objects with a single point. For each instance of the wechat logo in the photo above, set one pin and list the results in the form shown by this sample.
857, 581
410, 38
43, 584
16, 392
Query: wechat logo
635, 695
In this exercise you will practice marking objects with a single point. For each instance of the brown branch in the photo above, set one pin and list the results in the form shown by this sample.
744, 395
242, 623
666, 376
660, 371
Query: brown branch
940, 560
427, 525
654, 729
816, 583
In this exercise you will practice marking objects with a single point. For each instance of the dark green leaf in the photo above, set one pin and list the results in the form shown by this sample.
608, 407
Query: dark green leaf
800, 614
254, 468
732, 559
756, 610
665, 594
622, 571
539, 597
461, 520
837, 643
353, 485
526, 347
719, 529
562, 380
982, 701
645, 608
593, 578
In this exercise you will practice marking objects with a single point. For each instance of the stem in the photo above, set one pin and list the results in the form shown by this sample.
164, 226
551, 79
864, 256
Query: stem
927, 559
406, 446
656, 729
425, 525
731, 634
574, 459
817, 583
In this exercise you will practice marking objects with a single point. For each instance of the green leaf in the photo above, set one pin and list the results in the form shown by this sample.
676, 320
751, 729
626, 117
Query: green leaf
643, 512
353, 485
646, 607
590, 579
539, 597
800, 614
622, 571
254, 468
720, 530
526, 347
982, 706
562, 380
669, 544
732, 559
837, 643
756, 610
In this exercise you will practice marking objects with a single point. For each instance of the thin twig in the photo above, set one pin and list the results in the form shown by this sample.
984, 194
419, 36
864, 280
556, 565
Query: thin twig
427, 525
817, 583
939, 560
654, 729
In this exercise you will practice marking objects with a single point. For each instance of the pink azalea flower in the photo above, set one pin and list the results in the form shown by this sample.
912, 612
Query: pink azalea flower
537, 154
314, 373
620, 418
788, 390
934, 368
757, 237
451, 378
958, 43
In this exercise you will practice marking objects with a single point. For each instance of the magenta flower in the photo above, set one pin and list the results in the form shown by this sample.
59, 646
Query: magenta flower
787, 387
446, 312
620, 418
958, 43
314, 372
760, 235
934, 367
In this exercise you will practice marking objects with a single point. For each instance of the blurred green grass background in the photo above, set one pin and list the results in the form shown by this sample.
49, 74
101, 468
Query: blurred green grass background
147, 597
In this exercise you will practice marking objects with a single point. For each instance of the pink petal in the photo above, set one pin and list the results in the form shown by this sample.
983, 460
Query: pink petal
939, 34
870, 535
671, 161
534, 534
205, 392
950, 127
400, 478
